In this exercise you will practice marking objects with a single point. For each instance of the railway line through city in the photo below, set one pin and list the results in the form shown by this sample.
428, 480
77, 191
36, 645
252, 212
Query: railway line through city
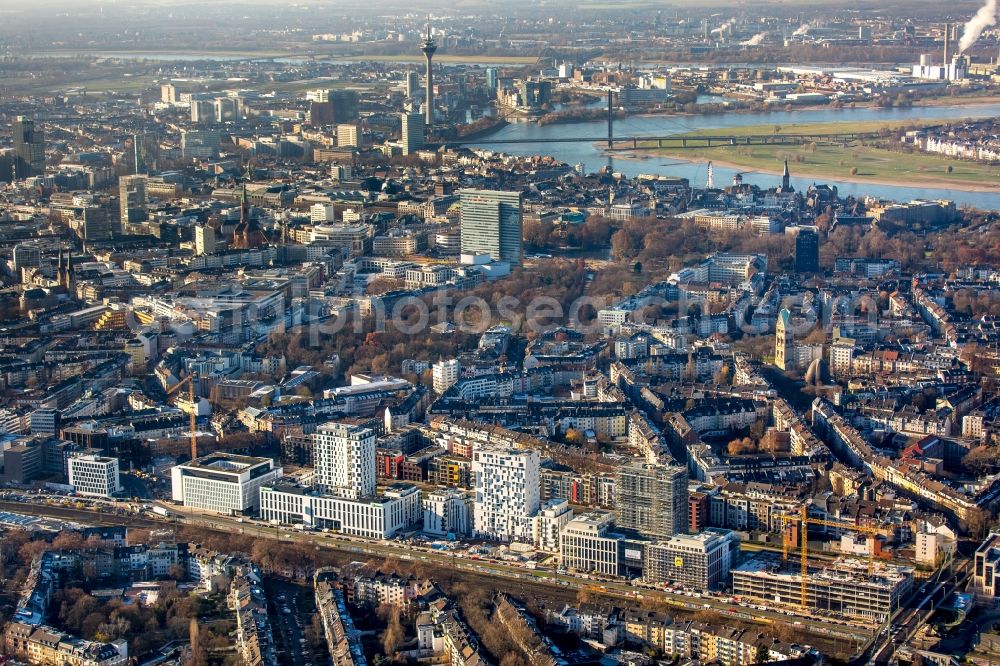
536, 583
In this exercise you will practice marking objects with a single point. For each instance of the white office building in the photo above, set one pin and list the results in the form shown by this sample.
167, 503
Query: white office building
507, 493
223, 483
343, 498
413, 132
321, 212
345, 460
588, 543
94, 475
445, 374
376, 517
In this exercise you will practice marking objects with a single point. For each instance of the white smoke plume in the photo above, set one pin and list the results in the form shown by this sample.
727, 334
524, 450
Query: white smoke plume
724, 27
756, 40
984, 18
802, 29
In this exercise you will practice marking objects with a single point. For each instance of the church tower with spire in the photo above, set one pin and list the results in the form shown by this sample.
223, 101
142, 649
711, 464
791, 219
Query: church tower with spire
786, 179
64, 269
248, 233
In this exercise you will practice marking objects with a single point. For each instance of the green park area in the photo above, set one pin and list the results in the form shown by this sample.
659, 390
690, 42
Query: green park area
810, 128
853, 161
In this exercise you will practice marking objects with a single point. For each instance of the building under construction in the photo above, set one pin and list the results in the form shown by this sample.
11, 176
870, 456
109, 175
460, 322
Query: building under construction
652, 499
844, 586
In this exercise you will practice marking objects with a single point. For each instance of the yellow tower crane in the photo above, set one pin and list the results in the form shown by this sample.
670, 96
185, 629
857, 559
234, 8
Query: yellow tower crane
804, 521
189, 380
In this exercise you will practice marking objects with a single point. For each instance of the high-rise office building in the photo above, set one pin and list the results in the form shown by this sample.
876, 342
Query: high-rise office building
701, 561
200, 143
345, 460
507, 493
429, 47
807, 251
652, 499
145, 153
131, 200
96, 223
491, 224
202, 111
412, 84
29, 145
348, 134
413, 132
492, 80
204, 239
227, 109
332, 106
168, 93
27, 255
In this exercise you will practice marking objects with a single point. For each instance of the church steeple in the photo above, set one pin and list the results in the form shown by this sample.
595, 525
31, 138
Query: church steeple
786, 179
64, 269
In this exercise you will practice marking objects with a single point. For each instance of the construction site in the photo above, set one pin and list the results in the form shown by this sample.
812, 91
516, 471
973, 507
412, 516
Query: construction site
847, 586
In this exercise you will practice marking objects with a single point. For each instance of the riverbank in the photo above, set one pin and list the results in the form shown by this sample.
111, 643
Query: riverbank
479, 132
588, 115
874, 166
958, 101
836, 127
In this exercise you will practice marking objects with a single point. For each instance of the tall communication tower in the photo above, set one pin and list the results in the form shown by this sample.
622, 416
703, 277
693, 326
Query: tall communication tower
429, 48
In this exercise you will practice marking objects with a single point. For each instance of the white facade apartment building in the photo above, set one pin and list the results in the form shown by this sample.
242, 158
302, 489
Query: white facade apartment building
548, 523
223, 483
448, 511
507, 493
345, 460
445, 374
94, 475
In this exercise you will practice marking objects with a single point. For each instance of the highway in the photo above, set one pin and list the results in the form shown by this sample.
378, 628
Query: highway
820, 626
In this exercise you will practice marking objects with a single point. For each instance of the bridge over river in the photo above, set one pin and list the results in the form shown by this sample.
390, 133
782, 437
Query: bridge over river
675, 141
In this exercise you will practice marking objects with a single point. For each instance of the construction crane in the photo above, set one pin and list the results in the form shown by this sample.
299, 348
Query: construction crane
804, 521
189, 380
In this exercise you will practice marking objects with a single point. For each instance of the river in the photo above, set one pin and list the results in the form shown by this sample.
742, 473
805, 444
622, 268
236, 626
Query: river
593, 157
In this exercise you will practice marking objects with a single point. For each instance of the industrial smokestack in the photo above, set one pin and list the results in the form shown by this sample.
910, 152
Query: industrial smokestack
947, 37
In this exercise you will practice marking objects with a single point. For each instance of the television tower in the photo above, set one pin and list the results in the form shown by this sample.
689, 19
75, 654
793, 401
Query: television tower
429, 47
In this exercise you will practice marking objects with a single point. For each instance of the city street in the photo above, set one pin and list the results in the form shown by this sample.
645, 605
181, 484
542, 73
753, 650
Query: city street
290, 609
